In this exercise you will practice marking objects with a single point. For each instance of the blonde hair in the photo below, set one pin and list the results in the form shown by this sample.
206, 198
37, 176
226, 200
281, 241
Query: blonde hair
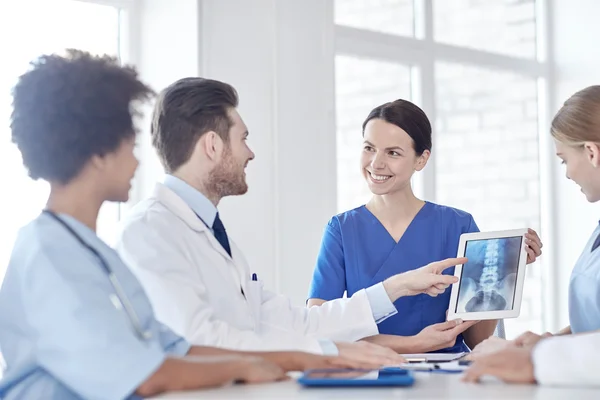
578, 120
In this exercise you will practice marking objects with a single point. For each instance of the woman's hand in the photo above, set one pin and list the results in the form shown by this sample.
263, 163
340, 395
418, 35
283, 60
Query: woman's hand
490, 345
530, 339
512, 365
441, 336
495, 344
259, 370
533, 246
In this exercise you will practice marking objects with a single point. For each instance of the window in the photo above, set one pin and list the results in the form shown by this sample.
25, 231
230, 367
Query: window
361, 84
478, 74
506, 27
54, 26
488, 119
388, 16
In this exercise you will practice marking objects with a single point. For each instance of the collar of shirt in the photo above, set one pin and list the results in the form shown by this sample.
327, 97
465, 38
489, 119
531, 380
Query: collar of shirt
202, 206
84, 231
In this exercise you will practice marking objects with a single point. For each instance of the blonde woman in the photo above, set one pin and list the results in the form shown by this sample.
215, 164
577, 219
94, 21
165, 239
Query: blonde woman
572, 357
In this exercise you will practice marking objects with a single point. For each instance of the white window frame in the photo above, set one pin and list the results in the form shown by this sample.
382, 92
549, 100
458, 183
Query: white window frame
128, 41
422, 52
128, 26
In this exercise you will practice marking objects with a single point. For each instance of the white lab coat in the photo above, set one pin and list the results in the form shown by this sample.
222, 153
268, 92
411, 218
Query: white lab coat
570, 360
195, 287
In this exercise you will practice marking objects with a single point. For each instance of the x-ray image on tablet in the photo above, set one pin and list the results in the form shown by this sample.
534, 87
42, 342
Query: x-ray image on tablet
490, 282
489, 278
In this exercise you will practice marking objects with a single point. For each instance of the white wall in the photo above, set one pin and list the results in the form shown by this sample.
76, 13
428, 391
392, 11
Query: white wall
238, 49
577, 65
165, 45
266, 50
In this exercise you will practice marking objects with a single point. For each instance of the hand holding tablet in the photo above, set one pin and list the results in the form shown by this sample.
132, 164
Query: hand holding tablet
490, 283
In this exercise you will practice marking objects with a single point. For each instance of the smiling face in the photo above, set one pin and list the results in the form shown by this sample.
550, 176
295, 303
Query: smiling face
582, 166
388, 159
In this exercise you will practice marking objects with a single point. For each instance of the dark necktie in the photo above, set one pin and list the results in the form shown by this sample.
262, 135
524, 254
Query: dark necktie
220, 234
596, 243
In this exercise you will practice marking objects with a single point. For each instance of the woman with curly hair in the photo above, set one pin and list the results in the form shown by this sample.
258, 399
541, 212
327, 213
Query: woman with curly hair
74, 321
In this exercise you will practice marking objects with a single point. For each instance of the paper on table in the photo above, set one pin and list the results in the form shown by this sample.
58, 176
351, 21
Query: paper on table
433, 357
446, 366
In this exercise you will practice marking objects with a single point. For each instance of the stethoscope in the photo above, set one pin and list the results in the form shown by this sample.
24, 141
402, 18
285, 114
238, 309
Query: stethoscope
121, 297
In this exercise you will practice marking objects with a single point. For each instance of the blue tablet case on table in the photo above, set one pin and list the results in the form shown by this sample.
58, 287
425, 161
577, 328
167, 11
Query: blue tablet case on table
349, 377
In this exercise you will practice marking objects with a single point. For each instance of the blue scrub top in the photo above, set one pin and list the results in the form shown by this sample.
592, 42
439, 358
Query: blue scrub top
61, 334
584, 289
357, 252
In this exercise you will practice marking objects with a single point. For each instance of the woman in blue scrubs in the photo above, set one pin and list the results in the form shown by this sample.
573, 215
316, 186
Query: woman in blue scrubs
397, 232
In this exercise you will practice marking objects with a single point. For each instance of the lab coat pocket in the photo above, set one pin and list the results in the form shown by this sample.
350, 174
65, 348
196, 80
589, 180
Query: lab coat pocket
254, 299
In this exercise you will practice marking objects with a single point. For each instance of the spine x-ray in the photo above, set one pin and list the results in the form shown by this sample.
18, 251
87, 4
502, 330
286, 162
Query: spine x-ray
488, 279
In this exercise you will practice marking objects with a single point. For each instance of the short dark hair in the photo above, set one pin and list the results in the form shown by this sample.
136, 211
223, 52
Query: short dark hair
408, 117
184, 112
67, 109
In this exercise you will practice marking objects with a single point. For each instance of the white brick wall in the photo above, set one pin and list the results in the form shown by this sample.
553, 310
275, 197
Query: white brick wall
487, 158
503, 26
361, 85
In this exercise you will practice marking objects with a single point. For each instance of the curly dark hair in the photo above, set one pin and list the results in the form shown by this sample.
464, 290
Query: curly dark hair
67, 109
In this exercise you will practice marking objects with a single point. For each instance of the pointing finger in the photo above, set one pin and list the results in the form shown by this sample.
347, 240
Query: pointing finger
440, 266
444, 280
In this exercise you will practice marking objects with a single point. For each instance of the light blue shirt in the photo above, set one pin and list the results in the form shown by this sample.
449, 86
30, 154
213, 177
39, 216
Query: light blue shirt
381, 305
61, 334
584, 289
199, 204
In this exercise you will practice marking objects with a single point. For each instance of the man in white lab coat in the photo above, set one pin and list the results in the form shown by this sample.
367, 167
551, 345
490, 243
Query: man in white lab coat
197, 278
570, 360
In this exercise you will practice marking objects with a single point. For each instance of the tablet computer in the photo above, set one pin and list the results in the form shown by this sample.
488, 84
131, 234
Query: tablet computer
356, 377
490, 283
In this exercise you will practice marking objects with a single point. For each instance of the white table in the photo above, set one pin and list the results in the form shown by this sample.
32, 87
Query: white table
427, 386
